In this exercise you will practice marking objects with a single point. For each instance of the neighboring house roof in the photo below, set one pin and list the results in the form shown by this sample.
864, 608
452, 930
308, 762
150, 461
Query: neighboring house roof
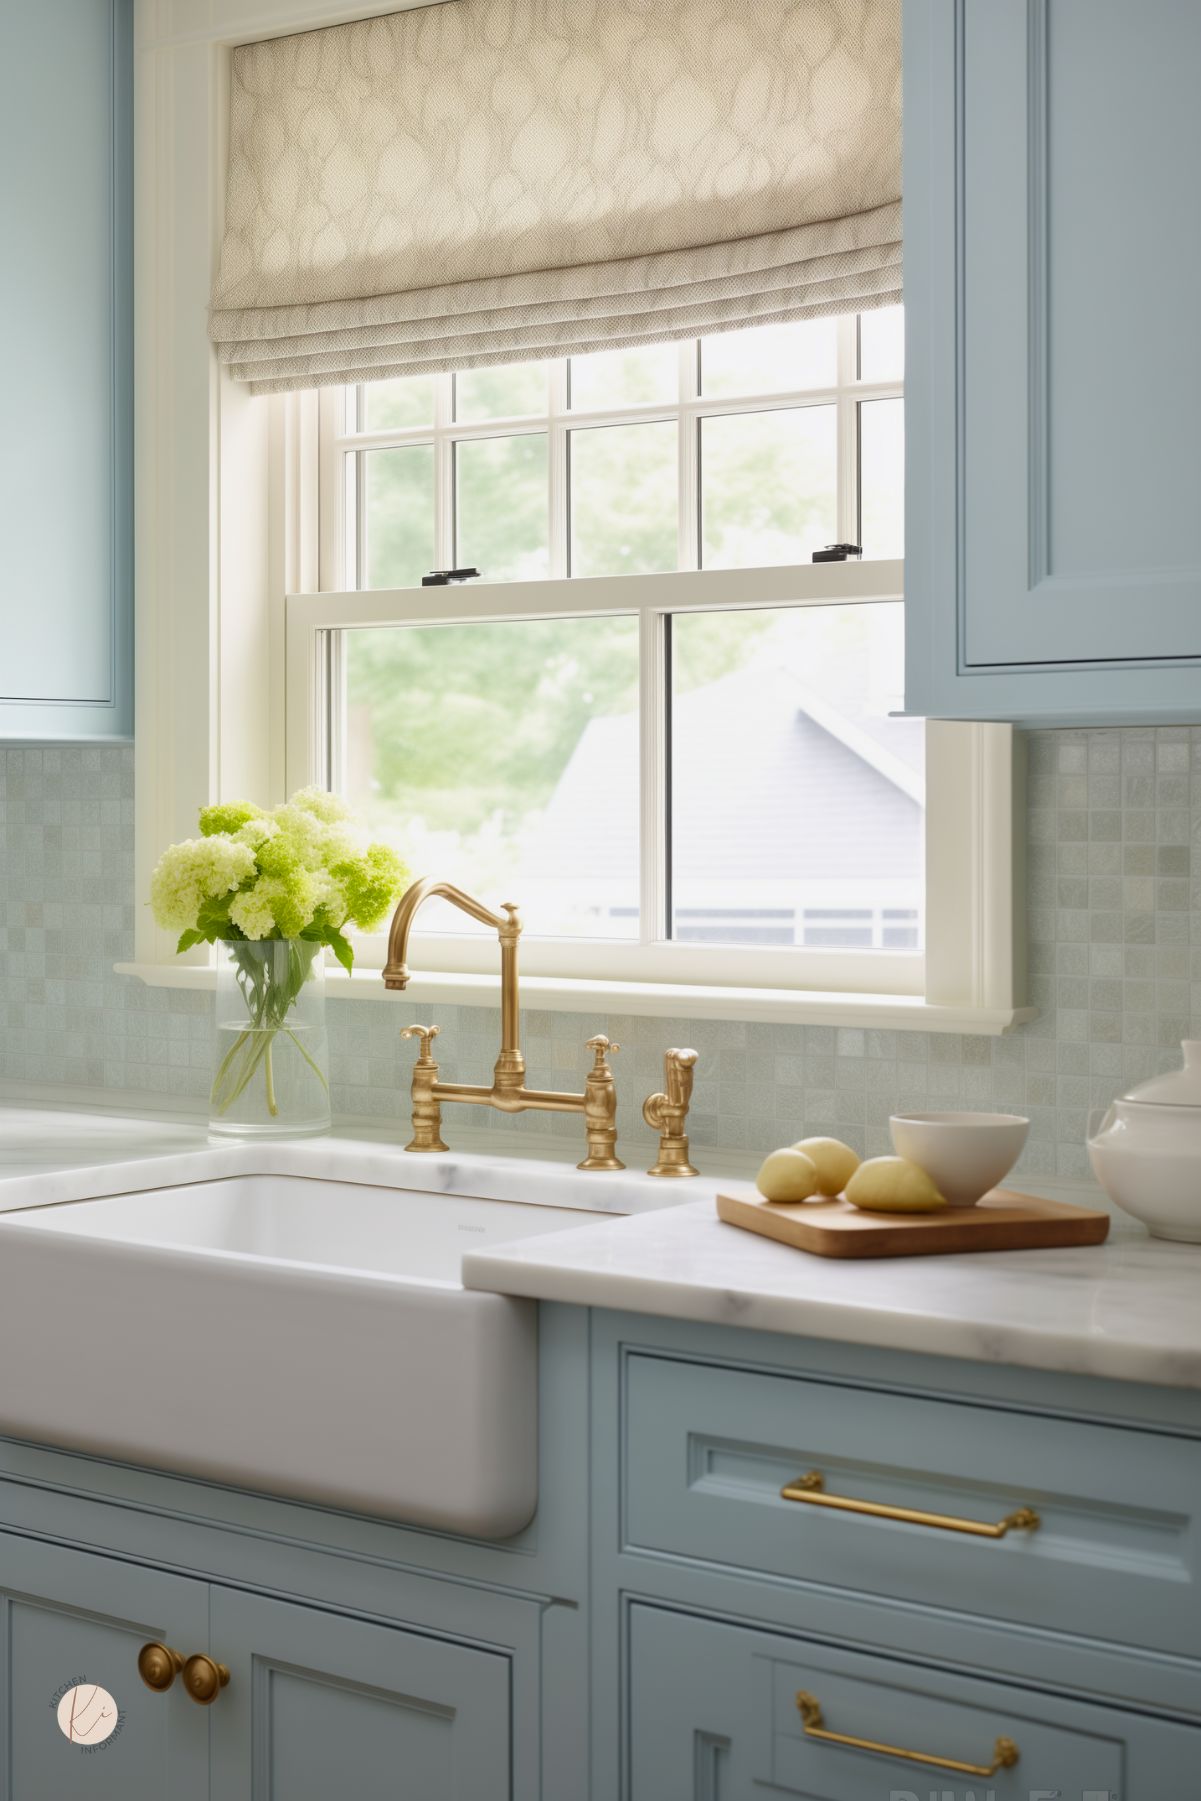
768, 779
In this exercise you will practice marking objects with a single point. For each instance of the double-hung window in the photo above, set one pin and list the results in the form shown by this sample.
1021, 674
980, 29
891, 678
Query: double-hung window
653, 720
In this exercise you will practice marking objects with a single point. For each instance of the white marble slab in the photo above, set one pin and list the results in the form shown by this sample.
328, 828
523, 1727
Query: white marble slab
53, 1155
1129, 1309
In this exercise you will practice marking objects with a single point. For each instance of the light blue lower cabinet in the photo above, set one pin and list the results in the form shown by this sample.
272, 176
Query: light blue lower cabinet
715, 1716
71, 1627
317, 1704
646, 1638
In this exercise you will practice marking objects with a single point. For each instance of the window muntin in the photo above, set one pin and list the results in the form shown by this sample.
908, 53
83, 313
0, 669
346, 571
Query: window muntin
618, 476
769, 428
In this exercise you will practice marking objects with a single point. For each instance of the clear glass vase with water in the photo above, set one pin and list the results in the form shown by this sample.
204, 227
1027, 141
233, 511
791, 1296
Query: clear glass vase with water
270, 1058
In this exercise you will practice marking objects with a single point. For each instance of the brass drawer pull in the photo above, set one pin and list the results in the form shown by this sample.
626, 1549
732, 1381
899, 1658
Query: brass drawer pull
1005, 1752
811, 1488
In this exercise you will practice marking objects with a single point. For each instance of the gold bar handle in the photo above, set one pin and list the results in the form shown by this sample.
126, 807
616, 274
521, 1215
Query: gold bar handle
811, 1488
1005, 1752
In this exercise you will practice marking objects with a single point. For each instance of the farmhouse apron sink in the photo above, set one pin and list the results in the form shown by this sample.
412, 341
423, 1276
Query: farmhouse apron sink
307, 1337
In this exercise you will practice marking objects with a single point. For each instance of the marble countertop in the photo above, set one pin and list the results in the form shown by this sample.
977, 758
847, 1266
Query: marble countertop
49, 1155
1128, 1309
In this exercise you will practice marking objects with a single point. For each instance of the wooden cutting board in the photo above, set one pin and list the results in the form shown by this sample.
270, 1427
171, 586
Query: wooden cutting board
1002, 1221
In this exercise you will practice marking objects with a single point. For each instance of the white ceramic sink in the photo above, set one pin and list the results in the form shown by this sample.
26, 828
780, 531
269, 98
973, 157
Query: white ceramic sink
308, 1337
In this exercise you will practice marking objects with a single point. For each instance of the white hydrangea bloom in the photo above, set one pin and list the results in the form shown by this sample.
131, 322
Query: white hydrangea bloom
197, 870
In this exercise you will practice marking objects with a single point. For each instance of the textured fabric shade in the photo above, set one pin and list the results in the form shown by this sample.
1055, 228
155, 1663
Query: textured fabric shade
495, 181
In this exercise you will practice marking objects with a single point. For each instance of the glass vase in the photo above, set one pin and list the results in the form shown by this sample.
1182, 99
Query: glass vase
270, 1058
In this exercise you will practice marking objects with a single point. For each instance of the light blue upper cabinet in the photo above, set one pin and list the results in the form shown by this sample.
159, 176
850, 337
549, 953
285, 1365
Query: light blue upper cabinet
66, 319
1053, 380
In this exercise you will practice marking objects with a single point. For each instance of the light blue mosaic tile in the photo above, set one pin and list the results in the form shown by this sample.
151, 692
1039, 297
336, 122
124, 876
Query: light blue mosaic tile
1114, 895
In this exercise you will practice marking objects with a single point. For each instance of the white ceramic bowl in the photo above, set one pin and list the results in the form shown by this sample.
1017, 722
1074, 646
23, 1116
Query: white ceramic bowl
964, 1154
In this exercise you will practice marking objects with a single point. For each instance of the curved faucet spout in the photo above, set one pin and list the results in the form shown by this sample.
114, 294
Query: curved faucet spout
396, 970
508, 1093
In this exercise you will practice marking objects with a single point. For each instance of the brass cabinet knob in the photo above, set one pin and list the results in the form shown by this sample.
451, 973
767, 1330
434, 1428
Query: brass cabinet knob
158, 1666
203, 1679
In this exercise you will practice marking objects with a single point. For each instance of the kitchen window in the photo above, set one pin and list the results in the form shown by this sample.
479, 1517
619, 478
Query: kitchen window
654, 722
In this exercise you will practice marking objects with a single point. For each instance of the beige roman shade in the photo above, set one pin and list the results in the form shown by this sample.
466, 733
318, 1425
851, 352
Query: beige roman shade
492, 181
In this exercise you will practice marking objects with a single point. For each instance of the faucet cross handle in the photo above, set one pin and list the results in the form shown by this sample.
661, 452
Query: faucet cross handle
427, 1110
427, 1034
600, 1109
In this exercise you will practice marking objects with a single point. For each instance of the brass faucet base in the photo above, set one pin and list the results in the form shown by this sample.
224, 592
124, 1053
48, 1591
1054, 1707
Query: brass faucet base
664, 1168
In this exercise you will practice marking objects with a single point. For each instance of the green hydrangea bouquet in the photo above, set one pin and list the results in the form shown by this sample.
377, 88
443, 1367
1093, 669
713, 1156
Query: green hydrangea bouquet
274, 888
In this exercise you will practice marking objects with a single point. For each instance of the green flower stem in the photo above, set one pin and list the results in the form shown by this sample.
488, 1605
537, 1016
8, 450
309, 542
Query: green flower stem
252, 1045
272, 1108
228, 1058
269, 998
310, 1060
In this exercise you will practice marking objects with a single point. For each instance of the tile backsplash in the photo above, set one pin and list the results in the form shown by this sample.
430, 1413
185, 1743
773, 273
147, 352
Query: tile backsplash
1115, 961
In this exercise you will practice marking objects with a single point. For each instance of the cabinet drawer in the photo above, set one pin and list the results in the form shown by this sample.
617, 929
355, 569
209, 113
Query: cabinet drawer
708, 1451
714, 1712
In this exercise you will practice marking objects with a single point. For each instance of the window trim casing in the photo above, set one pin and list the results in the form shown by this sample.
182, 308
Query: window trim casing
226, 526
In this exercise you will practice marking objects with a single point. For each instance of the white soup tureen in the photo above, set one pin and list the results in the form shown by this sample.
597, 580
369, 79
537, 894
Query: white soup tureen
1146, 1153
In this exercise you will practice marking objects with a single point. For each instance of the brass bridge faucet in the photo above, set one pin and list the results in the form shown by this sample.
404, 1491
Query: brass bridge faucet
667, 1114
508, 1093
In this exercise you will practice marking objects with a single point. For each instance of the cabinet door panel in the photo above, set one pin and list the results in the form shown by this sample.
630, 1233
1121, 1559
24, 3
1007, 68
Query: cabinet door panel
73, 1622
1082, 362
66, 315
1053, 367
319, 1705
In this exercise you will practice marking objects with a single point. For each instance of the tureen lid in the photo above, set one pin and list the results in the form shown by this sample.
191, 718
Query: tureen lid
1179, 1087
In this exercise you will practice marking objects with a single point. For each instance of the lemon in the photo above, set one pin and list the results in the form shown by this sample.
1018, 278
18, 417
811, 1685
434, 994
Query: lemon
893, 1185
834, 1162
787, 1175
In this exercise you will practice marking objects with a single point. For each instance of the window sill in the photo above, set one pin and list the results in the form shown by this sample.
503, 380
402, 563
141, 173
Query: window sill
560, 994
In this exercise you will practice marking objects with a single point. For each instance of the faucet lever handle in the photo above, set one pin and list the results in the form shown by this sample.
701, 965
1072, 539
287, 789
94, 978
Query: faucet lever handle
427, 1034
678, 1066
602, 1047
667, 1114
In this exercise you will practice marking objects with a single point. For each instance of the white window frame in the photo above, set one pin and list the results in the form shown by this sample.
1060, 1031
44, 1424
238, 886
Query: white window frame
559, 419
313, 621
227, 497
